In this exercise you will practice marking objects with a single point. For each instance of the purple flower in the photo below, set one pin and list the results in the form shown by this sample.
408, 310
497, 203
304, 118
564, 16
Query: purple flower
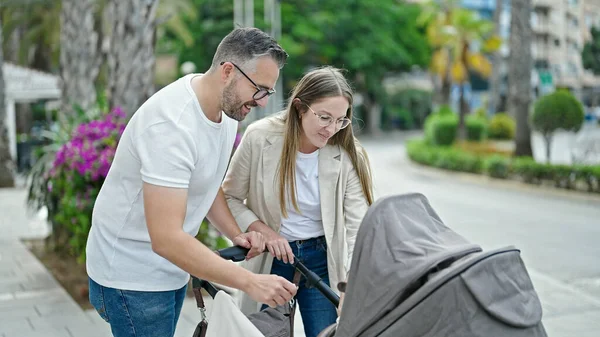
91, 149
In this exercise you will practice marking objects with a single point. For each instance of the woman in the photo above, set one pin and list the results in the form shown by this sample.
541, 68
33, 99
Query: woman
307, 185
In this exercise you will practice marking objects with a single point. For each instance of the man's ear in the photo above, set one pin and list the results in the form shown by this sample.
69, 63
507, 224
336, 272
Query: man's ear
226, 71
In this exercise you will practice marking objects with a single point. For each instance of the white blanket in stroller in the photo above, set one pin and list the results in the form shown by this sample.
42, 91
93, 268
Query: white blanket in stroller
226, 319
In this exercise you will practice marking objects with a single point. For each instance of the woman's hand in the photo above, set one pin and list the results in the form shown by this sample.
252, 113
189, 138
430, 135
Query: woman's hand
278, 246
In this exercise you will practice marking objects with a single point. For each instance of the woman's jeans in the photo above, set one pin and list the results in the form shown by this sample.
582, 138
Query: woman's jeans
138, 313
316, 310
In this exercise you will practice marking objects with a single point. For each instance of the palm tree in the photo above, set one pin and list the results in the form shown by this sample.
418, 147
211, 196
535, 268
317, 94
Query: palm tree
6, 162
80, 57
461, 38
494, 91
519, 74
133, 31
436, 17
32, 28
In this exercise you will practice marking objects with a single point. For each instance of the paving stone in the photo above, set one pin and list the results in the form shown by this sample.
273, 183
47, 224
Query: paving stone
60, 321
60, 308
17, 313
16, 327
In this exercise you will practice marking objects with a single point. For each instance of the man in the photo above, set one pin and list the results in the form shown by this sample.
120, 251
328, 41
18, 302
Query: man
165, 179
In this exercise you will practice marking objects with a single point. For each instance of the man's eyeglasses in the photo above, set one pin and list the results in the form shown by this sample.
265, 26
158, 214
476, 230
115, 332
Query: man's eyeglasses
260, 92
325, 120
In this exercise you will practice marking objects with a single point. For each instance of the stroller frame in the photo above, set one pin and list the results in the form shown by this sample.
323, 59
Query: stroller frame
238, 254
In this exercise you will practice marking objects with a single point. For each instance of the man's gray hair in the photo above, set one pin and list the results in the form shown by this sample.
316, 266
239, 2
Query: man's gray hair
244, 45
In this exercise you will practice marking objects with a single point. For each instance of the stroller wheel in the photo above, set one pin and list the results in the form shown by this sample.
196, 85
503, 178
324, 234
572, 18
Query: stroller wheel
328, 331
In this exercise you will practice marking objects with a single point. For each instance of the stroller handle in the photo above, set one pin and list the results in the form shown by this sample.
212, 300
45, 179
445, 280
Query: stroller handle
238, 253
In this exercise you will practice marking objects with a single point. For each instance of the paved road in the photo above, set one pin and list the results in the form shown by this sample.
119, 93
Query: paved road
558, 233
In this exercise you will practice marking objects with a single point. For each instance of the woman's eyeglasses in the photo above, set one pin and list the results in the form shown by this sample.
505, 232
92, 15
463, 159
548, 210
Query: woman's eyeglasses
325, 120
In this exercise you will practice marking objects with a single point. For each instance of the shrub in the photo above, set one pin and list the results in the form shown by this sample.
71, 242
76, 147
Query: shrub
77, 172
500, 166
445, 110
558, 110
443, 157
400, 118
530, 170
502, 127
497, 166
590, 175
476, 128
415, 102
440, 129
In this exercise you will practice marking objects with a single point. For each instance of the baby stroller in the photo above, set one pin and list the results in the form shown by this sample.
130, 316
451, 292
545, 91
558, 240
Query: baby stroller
413, 276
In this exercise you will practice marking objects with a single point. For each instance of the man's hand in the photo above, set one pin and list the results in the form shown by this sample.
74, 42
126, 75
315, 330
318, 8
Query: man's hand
251, 240
271, 290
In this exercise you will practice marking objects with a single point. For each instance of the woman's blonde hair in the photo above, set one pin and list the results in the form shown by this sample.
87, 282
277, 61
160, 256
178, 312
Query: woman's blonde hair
314, 86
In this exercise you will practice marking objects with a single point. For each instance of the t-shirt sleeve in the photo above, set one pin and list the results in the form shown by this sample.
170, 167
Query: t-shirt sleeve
167, 153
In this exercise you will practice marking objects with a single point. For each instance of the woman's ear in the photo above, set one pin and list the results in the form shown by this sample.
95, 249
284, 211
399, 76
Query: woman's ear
296, 102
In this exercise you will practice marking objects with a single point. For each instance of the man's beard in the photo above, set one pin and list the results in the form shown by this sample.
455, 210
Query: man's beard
232, 104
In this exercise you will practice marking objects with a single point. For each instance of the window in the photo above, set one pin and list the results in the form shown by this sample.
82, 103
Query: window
572, 68
589, 21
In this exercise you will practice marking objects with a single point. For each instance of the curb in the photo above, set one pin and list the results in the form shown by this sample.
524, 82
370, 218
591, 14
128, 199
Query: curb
504, 183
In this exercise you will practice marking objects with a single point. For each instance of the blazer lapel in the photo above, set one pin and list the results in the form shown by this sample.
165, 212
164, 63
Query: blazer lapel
270, 161
329, 172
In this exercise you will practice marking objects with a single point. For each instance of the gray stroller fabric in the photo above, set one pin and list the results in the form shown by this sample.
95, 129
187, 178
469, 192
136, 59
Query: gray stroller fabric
413, 276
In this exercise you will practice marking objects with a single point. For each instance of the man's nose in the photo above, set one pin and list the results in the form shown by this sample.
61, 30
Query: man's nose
263, 101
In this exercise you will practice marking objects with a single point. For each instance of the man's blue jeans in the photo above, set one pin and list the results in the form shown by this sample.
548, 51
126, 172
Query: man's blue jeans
138, 313
316, 310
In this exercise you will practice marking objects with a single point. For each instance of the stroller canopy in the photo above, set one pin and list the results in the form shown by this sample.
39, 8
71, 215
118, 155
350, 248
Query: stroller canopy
404, 253
401, 238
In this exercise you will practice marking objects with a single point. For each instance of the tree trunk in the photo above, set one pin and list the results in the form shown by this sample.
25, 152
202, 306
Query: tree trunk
548, 139
446, 82
519, 74
6, 162
463, 104
462, 114
494, 90
80, 56
446, 85
132, 35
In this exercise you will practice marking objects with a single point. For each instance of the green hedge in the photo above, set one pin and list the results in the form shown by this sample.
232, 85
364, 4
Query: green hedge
476, 128
502, 127
441, 127
523, 168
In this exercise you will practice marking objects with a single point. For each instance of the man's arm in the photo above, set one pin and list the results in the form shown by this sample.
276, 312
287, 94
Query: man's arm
220, 216
165, 210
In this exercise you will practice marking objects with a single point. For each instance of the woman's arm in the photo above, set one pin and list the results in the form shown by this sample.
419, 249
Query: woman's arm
237, 182
355, 207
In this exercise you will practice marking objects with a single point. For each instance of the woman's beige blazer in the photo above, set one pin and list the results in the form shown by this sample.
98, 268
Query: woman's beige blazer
251, 188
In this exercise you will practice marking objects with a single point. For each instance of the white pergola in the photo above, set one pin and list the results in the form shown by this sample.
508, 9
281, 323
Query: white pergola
25, 85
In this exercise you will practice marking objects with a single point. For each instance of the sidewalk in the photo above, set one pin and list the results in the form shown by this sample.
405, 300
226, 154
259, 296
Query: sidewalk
32, 302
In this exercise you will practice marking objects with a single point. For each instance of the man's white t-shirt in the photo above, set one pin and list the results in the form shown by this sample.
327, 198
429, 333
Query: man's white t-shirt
168, 142
308, 223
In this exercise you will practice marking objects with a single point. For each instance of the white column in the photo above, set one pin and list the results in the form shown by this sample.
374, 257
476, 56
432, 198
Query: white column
11, 126
249, 13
